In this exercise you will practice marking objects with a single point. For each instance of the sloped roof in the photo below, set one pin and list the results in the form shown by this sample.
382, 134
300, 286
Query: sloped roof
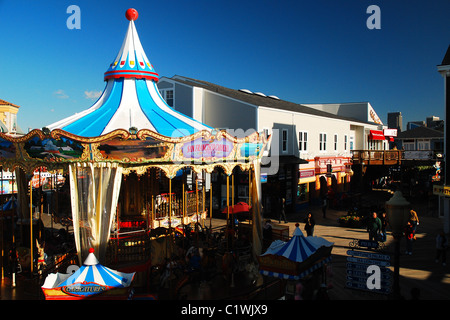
6, 103
259, 100
130, 99
419, 133
446, 60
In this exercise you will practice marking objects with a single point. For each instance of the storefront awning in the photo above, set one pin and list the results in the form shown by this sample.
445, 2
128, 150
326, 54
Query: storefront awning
376, 135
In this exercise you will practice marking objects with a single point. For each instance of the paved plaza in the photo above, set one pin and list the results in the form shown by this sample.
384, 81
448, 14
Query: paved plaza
418, 270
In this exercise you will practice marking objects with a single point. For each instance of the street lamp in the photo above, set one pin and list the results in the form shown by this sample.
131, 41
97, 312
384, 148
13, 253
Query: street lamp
397, 211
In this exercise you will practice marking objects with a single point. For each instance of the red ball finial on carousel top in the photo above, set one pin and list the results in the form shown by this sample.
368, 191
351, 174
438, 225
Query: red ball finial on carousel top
91, 250
131, 14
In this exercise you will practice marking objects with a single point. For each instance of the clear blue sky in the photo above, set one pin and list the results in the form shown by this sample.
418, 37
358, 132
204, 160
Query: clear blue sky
302, 51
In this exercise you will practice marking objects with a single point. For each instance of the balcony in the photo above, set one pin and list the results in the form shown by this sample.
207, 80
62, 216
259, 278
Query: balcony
394, 157
377, 157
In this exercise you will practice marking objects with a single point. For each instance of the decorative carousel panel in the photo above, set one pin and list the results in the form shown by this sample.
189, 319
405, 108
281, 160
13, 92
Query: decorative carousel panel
7, 149
54, 150
134, 150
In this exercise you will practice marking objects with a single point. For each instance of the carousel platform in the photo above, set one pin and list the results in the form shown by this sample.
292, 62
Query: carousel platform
417, 271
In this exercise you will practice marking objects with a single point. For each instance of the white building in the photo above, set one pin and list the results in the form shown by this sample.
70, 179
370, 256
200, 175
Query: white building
307, 140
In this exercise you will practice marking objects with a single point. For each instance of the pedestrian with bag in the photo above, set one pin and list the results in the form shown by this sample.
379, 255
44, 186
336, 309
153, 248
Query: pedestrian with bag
309, 224
409, 236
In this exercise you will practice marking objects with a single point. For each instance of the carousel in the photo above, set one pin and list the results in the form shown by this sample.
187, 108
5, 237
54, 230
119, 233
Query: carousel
126, 160
300, 262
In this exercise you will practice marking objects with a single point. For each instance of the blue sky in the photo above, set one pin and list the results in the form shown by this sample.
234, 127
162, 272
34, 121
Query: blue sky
301, 51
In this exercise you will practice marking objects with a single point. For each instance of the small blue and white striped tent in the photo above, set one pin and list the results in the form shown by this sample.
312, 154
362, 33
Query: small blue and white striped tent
131, 99
298, 249
90, 279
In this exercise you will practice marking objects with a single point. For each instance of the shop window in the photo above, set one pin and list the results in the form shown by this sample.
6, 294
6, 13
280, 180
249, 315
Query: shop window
284, 142
303, 141
303, 192
322, 141
167, 95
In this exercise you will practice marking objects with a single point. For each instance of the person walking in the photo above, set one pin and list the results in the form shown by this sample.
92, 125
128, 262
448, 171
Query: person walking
374, 227
384, 224
414, 218
282, 211
409, 236
324, 207
267, 232
441, 247
309, 225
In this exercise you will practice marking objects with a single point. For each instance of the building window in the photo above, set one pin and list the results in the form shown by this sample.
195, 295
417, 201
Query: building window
284, 142
335, 142
322, 141
423, 144
167, 95
408, 146
345, 142
302, 141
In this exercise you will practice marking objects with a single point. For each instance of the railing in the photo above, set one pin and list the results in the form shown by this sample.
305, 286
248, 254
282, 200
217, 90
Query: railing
377, 157
164, 206
193, 203
392, 157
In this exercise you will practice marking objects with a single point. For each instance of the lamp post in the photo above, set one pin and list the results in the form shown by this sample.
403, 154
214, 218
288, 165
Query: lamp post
397, 211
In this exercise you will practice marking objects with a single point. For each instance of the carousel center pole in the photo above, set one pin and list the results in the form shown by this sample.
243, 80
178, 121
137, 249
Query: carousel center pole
170, 204
31, 228
13, 247
1, 230
203, 196
228, 208
210, 204
183, 200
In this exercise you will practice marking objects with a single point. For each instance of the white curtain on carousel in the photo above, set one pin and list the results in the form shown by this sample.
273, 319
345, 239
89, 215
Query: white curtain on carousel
256, 205
94, 191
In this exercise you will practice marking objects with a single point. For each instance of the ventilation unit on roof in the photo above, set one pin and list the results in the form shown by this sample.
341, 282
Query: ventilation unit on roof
260, 94
274, 97
246, 91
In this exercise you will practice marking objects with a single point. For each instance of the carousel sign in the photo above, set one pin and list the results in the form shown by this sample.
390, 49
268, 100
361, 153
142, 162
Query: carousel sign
200, 148
84, 289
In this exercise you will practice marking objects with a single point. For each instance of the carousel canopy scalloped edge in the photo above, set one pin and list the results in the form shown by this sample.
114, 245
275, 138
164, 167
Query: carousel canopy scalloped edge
137, 151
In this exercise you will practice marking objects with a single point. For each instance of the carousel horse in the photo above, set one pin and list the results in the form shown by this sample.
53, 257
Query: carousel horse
24, 257
41, 264
229, 265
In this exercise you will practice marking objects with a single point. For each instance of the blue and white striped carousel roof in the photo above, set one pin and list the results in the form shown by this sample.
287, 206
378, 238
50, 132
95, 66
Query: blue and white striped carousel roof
298, 248
91, 273
130, 98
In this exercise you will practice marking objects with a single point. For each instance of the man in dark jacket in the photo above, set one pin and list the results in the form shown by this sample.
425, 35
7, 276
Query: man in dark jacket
374, 227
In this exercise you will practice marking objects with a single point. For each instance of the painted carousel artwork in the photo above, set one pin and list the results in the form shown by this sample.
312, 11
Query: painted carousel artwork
126, 159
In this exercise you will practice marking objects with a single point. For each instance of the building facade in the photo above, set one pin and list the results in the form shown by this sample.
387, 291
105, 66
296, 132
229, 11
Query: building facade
311, 149
8, 117
444, 200
395, 121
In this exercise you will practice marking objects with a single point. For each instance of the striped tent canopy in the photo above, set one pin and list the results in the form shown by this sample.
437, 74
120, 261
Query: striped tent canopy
298, 257
298, 248
130, 99
89, 280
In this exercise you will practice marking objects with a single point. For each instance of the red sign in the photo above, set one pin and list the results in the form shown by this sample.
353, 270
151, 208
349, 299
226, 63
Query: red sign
307, 173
